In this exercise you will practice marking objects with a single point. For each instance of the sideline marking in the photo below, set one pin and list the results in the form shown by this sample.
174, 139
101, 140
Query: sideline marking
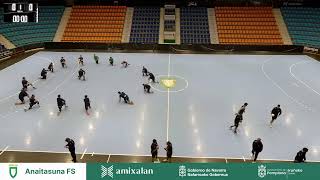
83, 153
147, 155
4, 150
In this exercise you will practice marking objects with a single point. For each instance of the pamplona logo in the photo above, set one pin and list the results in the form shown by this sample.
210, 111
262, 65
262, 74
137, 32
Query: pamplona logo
13, 170
262, 171
111, 171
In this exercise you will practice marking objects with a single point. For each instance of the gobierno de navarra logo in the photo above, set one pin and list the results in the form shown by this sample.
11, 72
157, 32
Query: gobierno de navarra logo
110, 171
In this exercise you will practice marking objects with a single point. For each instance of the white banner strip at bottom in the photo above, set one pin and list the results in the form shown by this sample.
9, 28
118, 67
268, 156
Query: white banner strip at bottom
41, 171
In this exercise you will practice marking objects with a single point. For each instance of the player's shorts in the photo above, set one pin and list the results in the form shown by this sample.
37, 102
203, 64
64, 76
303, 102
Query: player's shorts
154, 155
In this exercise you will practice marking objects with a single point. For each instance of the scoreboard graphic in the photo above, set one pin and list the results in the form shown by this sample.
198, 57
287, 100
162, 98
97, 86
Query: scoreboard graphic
21, 12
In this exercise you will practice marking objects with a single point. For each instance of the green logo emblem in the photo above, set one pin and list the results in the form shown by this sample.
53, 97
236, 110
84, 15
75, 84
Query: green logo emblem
13, 170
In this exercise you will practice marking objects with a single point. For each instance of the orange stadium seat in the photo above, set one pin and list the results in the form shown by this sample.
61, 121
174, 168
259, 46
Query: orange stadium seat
247, 25
95, 24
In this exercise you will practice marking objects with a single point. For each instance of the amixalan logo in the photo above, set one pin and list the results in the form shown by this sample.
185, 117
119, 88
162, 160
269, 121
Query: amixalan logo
125, 171
106, 171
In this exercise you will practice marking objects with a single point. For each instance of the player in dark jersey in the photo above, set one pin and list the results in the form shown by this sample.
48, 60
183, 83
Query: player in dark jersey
23, 93
242, 110
86, 103
276, 111
125, 64
50, 67
33, 102
144, 71
61, 102
237, 120
169, 150
26, 83
154, 150
63, 62
301, 156
111, 61
44, 74
152, 78
81, 60
96, 58
81, 74
72, 149
124, 96
146, 88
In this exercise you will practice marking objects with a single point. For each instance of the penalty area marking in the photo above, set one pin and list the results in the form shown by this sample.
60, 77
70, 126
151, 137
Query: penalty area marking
280, 88
302, 82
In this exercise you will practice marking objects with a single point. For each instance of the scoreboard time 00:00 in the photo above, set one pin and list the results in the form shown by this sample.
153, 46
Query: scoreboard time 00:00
20, 12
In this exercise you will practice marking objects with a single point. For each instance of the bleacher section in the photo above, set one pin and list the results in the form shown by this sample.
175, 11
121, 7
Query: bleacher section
95, 24
194, 28
28, 33
247, 26
303, 25
145, 25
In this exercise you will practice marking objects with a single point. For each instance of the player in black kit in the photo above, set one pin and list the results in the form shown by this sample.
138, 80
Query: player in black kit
242, 110
61, 102
96, 58
50, 67
26, 83
125, 64
81, 74
23, 93
151, 77
71, 146
81, 60
125, 97
276, 111
86, 103
237, 120
111, 61
63, 62
33, 102
146, 88
44, 74
154, 150
144, 71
